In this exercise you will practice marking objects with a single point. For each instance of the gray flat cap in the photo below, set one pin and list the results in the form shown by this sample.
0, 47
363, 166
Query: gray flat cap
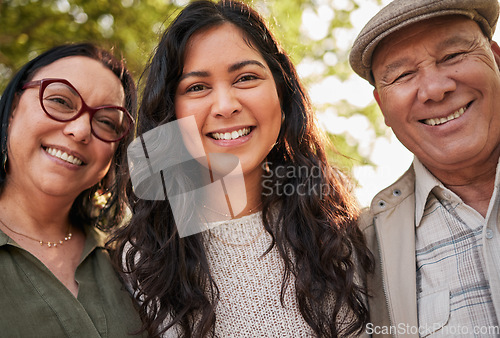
401, 13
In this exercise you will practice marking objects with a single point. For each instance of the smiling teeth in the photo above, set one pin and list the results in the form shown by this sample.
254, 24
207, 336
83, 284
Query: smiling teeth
64, 156
434, 122
233, 135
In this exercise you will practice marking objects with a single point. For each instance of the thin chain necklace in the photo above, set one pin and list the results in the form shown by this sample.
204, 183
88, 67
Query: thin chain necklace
51, 244
229, 215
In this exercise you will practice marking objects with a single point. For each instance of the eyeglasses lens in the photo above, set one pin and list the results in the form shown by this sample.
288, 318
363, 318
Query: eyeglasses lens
63, 103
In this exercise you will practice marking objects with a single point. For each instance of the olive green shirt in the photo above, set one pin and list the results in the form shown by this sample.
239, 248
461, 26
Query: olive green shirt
34, 303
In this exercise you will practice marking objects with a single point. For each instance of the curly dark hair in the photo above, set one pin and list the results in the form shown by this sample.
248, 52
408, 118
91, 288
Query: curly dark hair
322, 248
83, 211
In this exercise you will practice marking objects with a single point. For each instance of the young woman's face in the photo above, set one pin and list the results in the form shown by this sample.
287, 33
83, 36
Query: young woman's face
230, 90
61, 158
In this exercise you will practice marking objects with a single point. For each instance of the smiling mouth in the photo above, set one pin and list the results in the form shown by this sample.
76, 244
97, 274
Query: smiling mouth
235, 134
439, 121
64, 156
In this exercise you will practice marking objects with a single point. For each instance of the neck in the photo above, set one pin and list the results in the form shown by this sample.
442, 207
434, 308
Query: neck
254, 196
35, 213
473, 185
476, 194
242, 197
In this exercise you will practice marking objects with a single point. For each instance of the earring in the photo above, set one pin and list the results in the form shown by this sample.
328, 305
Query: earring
265, 166
282, 117
5, 161
101, 196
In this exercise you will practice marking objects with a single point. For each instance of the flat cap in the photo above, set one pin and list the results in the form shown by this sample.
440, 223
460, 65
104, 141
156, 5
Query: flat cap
401, 13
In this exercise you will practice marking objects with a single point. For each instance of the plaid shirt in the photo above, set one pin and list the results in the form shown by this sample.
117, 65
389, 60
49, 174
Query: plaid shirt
458, 261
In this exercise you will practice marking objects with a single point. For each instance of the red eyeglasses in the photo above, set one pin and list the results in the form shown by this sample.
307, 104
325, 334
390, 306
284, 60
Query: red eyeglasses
62, 102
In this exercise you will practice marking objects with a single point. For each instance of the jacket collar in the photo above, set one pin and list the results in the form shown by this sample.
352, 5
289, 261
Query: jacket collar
394, 221
424, 183
395, 193
4, 239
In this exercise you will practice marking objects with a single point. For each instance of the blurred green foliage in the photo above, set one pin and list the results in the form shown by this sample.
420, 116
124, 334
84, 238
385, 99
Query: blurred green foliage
132, 29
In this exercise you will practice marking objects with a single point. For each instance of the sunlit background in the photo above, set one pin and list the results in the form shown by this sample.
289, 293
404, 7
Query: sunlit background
317, 34
390, 158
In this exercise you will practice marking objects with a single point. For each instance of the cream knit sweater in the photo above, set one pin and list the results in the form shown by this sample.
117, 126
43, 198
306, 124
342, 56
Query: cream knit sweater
249, 284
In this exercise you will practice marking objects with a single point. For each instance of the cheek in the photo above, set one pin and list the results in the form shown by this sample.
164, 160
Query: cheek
387, 120
272, 120
267, 106
393, 111
26, 128
277, 120
16, 118
180, 110
183, 110
106, 156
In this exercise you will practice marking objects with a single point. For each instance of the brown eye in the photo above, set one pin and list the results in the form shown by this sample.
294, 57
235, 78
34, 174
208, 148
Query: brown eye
196, 88
246, 78
451, 56
59, 103
402, 76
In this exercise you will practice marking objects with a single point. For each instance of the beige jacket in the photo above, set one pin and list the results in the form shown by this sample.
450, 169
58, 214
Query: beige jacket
389, 227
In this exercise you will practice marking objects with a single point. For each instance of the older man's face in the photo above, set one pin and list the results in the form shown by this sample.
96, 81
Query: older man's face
438, 86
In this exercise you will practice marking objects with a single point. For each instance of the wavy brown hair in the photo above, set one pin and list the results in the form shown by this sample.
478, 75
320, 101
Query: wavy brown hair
317, 237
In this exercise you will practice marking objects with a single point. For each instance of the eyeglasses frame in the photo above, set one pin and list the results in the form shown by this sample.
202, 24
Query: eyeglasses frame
43, 83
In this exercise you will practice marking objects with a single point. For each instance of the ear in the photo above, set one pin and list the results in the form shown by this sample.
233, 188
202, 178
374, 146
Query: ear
496, 52
377, 98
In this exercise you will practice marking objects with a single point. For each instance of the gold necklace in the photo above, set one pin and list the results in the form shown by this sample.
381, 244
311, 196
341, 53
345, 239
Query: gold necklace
237, 244
229, 215
54, 244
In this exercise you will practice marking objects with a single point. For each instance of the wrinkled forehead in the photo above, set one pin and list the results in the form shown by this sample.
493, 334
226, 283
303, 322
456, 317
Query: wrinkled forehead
438, 32
399, 14
452, 24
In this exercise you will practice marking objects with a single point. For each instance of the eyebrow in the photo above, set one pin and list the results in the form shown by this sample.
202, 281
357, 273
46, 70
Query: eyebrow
239, 65
442, 45
393, 67
191, 74
453, 41
230, 69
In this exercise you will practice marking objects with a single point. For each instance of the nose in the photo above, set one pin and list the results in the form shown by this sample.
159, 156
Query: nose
80, 129
435, 84
225, 103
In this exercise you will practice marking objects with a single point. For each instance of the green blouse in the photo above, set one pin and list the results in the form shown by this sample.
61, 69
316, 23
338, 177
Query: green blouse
34, 303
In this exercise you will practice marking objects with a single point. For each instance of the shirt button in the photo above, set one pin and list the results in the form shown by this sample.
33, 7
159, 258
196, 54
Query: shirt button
447, 195
489, 234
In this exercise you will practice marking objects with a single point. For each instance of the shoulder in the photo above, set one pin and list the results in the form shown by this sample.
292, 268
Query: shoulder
388, 210
395, 194
389, 198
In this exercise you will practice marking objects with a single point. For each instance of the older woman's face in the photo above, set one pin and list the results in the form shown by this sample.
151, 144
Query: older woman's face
61, 158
